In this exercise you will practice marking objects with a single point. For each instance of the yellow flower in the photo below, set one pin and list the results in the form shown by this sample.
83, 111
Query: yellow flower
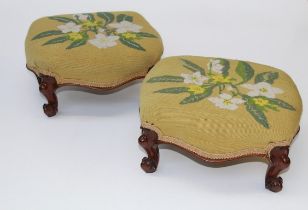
220, 79
263, 90
196, 89
129, 36
90, 24
227, 102
75, 36
261, 101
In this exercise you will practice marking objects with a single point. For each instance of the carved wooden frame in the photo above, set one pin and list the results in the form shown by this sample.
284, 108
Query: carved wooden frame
277, 158
48, 86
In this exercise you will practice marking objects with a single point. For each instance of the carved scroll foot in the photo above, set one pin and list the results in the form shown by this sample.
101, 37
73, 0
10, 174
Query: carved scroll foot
48, 85
149, 141
279, 161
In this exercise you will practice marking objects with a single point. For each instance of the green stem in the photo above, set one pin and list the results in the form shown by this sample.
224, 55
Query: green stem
238, 93
221, 87
237, 90
109, 31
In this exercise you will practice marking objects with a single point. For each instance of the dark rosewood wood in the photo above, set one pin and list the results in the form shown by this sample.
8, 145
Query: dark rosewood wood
149, 141
279, 161
278, 158
48, 86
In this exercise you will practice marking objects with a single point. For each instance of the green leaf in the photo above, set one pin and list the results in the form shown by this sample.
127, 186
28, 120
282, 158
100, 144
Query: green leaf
226, 64
193, 67
57, 40
131, 44
174, 90
77, 43
123, 17
245, 71
107, 16
268, 77
47, 33
198, 97
144, 34
63, 19
166, 78
281, 103
257, 114
90, 17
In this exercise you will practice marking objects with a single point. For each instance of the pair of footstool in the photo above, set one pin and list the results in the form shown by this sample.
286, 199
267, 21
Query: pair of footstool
217, 110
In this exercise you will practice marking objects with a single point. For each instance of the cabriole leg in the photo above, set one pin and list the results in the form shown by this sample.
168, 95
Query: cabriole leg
149, 141
279, 161
48, 86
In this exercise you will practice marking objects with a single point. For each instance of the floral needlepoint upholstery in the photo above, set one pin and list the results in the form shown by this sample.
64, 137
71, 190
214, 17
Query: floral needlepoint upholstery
102, 49
220, 108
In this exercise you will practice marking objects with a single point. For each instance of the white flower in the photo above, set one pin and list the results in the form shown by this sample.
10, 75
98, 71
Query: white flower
125, 26
262, 89
103, 41
81, 16
215, 66
226, 101
69, 27
195, 78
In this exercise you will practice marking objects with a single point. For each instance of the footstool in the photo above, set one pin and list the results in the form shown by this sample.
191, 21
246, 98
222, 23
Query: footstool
220, 110
100, 51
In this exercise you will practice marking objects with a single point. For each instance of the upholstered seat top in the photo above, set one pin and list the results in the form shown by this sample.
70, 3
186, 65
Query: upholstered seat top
220, 108
102, 49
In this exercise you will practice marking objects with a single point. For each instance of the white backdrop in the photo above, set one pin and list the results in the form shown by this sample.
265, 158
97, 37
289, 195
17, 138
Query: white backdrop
87, 157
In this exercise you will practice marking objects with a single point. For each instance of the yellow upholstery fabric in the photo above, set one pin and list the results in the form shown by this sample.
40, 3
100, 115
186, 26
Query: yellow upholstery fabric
220, 108
103, 49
